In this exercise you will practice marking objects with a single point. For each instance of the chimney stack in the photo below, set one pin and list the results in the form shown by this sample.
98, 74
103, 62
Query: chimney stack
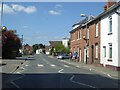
109, 4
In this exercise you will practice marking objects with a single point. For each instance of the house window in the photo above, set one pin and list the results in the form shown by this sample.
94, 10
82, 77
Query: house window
110, 24
87, 51
80, 34
96, 48
110, 50
74, 36
104, 51
96, 31
87, 33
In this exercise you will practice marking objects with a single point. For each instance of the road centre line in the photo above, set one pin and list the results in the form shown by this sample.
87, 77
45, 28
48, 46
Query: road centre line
71, 79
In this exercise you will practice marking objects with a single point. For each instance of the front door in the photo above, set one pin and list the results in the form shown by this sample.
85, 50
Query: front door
92, 54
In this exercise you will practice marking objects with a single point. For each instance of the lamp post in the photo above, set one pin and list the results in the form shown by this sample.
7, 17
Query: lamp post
1, 14
85, 37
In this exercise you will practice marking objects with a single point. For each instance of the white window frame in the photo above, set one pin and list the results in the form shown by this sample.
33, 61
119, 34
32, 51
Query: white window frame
104, 51
96, 30
96, 51
88, 35
80, 34
110, 53
110, 24
88, 52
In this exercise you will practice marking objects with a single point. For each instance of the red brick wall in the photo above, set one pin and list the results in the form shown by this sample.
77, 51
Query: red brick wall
92, 41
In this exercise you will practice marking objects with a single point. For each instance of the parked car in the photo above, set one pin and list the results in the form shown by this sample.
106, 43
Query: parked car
30, 58
63, 56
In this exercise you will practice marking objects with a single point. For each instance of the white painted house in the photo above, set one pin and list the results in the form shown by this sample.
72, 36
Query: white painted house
110, 37
38, 51
65, 42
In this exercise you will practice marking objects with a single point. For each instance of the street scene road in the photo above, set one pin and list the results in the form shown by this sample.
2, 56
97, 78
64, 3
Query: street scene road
41, 71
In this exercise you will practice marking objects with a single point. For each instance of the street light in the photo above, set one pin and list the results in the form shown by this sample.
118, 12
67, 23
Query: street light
85, 37
4, 28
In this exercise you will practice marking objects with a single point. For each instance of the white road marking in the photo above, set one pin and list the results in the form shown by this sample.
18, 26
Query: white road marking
17, 72
90, 69
77, 66
26, 65
40, 65
15, 84
71, 79
53, 65
66, 66
109, 75
60, 71
22, 68
12, 81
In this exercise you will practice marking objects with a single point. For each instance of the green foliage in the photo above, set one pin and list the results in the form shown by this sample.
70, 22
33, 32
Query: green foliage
10, 44
61, 49
38, 46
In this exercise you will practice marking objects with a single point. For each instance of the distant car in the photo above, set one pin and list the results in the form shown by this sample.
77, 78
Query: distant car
63, 56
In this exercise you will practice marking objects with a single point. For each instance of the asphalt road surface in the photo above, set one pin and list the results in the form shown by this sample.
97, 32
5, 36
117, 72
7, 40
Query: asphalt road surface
46, 72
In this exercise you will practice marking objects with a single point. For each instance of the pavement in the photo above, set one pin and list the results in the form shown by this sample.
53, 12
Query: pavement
10, 65
92, 67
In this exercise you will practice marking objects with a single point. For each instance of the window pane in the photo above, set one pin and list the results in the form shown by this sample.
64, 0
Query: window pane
96, 29
80, 35
88, 34
96, 51
104, 51
110, 55
110, 23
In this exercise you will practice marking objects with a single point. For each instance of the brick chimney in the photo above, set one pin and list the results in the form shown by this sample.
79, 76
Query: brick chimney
109, 4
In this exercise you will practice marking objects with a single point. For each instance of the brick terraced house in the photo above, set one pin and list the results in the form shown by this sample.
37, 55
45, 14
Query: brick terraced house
99, 39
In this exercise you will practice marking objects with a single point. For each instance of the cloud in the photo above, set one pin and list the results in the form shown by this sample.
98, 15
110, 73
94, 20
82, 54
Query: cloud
29, 9
58, 5
14, 8
53, 12
7, 9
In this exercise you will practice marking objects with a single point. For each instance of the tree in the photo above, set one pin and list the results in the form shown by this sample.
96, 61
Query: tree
10, 44
59, 48
38, 46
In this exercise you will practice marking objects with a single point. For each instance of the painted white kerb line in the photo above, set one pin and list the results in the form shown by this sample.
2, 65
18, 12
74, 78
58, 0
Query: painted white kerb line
60, 71
71, 79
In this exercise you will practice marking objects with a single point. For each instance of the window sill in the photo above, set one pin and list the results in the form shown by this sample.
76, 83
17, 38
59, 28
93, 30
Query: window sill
96, 36
110, 33
110, 60
96, 58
